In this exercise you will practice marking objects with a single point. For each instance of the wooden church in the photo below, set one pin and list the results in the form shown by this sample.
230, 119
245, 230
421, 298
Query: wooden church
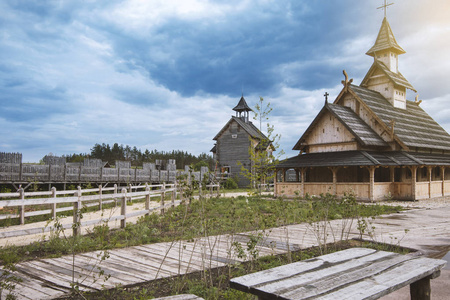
371, 141
233, 142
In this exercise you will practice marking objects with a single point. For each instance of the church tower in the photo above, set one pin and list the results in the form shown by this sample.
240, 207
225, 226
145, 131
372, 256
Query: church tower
384, 76
242, 110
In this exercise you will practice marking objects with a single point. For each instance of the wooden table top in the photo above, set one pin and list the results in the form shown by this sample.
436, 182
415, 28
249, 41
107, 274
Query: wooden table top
357, 273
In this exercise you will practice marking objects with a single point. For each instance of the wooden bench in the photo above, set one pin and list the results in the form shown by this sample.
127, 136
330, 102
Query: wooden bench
180, 297
357, 273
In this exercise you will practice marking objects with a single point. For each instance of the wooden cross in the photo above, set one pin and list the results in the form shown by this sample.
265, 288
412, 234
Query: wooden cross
385, 7
326, 96
347, 81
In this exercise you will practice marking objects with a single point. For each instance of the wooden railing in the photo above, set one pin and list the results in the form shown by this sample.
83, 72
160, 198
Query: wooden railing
78, 200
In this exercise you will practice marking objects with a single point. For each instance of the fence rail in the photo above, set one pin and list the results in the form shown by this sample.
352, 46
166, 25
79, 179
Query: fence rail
77, 199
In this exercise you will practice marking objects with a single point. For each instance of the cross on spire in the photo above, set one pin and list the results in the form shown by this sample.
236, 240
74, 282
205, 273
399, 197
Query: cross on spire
385, 7
326, 97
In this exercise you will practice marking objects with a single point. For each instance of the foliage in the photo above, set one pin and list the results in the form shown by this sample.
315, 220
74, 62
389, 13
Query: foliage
230, 184
263, 162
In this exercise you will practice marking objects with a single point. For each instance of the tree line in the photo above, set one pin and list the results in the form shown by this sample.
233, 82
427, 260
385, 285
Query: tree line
126, 153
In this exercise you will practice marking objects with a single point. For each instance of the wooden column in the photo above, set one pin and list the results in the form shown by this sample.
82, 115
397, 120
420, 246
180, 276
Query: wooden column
392, 173
443, 180
174, 194
372, 183
77, 213
303, 173
429, 173
54, 204
413, 181
163, 195
123, 208
334, 171
22, 207
147, 199
100, 195
115, 195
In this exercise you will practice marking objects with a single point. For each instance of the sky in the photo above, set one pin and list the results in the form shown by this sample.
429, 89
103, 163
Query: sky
165, 74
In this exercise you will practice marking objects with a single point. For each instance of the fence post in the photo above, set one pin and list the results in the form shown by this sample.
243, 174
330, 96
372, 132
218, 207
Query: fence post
22, 207
100, 194
176, 190
54, 204
174, 194
130, 190
123, 208
163, 195
115, 195
200, 190
76, 213
147, 199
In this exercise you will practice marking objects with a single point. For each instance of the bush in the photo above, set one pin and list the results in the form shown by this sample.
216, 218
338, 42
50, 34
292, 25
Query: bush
230, 184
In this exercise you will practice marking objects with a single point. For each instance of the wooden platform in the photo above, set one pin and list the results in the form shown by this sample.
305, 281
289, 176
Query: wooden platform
50, 278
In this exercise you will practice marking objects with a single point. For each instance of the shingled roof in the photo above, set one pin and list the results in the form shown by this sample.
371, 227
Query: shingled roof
413, 126
351, 121
242, 106
251, 129
365, 158
397, 78
385, 40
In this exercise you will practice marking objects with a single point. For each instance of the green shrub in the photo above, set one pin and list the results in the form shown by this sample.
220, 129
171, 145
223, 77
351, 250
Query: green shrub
230, 184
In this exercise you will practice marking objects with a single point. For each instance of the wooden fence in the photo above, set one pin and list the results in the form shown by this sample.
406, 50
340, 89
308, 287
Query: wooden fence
12, 172
78, 200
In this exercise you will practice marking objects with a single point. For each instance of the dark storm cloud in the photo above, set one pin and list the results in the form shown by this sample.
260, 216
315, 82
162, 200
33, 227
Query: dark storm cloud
76, 73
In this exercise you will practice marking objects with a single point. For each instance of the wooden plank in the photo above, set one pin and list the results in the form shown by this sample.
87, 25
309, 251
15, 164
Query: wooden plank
391, 280
64, 271
130, 269
178, 259
185, 254
85, 271
327, 281
37, 271
142, 262
287, 271
180, 297
356, 273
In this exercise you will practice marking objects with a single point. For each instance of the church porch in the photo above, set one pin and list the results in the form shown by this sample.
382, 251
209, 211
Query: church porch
346, 172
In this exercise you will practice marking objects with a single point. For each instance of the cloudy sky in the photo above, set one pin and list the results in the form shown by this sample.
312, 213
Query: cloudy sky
165, 74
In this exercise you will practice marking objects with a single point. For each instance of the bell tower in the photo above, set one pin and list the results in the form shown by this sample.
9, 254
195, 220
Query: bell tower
242, 110
384, 75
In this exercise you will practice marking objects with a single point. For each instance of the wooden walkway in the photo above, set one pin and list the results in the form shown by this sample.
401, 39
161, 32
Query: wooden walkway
50, 278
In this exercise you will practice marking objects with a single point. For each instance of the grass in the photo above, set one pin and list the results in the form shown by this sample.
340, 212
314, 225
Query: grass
207, 217
210, 217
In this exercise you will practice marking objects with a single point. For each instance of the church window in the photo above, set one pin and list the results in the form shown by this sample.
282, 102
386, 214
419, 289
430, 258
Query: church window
386, 89
337, 129
323, 130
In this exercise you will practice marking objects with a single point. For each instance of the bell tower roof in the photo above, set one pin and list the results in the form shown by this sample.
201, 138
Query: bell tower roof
242, 106
385, 41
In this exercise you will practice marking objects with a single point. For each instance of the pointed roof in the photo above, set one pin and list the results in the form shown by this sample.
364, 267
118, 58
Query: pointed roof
251, 129
362, 132
413, 126
242, 106
385, 40
397, 78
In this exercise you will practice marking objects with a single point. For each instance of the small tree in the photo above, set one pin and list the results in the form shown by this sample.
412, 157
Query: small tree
262, 160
